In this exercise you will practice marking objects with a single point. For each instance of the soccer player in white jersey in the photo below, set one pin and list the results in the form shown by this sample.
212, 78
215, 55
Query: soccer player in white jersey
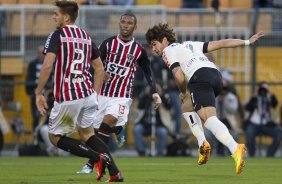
199, 82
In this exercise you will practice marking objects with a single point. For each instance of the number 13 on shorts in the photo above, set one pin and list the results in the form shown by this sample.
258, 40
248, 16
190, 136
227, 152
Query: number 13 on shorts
121, 109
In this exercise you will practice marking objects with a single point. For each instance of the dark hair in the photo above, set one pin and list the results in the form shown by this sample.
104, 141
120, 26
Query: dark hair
129, 13
69, 7
158, 32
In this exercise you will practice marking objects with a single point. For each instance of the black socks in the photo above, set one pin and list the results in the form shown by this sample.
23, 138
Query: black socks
77, 148
104, 133
98, 145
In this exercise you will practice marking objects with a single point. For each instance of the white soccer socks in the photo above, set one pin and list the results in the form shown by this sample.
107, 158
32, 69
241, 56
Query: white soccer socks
220, 131
195, 125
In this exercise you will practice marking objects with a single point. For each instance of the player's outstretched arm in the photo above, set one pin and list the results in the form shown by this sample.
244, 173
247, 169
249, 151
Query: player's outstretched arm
255, 37
230, 43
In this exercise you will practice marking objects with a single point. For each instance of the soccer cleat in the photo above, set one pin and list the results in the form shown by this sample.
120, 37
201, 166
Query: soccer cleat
204, 153
116, 178
239, 157
86, 169
101, 165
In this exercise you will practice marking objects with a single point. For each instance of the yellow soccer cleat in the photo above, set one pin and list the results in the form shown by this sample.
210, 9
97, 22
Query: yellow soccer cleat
204, 153
239, 157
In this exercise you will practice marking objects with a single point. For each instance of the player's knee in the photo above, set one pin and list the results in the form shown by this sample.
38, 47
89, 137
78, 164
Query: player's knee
110, 120
84, 137
206, 112
54, 139
85, 133
187, 107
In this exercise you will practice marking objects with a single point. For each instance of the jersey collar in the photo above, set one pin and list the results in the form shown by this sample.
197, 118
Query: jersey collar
73, 26
125, 43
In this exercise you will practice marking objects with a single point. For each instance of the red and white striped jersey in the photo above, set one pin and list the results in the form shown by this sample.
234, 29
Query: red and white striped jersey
74, 50
120, 60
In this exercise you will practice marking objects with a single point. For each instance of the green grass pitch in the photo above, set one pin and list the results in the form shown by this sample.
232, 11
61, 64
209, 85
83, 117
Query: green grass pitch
182, 170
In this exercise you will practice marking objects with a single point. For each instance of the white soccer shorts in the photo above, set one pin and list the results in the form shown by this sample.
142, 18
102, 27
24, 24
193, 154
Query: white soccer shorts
117, 107
67, 115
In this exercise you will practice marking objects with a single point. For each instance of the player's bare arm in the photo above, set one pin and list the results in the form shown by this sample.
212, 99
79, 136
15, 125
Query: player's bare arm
180, 80
229, 43
44, 76
99, 73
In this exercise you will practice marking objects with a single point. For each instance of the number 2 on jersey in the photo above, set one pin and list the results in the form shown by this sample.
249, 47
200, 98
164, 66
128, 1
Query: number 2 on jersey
76, 62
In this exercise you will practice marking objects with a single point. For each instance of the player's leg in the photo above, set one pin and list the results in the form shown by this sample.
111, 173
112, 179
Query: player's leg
88, 167
196, 128
104, 120
115, 114
78, 148
218, 129
206, 86
106, 128
86, 132
62, 122
119, 131
222, 134
203, 95
94, 142
74, 146
193, 120
112, 167
50, 148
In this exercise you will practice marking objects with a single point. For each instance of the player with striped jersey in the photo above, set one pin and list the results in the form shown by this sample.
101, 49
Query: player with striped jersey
121, 55
193, 70
72, 51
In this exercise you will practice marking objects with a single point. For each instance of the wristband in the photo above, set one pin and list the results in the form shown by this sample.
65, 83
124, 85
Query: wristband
247, 42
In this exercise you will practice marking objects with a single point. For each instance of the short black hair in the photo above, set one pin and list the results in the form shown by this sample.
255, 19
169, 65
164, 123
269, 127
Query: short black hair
129, 13
69, 7
158, 32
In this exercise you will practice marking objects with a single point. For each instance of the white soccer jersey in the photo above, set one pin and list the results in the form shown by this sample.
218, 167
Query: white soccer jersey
189, 55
